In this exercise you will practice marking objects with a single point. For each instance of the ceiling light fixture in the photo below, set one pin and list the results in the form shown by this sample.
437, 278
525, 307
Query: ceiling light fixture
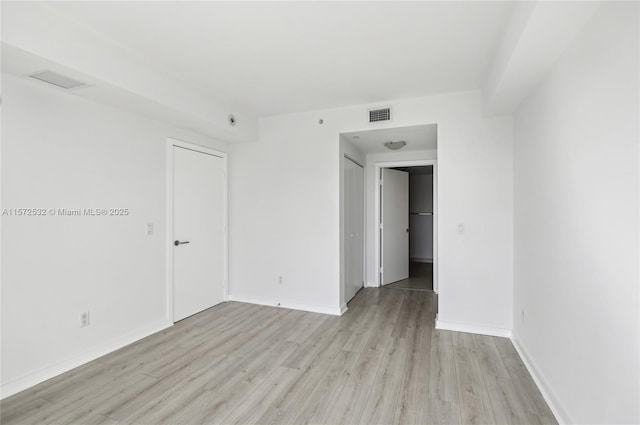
394, 146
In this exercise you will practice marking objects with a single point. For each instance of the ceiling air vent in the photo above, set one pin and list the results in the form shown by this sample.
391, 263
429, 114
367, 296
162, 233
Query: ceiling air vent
57, 80
377, 115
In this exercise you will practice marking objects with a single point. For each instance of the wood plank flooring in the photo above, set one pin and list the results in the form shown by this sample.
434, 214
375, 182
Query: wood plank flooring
380, 363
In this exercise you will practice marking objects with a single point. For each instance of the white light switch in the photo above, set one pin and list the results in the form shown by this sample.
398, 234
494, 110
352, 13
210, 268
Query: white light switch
149, 228
460, 228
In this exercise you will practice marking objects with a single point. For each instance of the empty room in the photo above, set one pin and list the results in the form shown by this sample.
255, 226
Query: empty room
271, 212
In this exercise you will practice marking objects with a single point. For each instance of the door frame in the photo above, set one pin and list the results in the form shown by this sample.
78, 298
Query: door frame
377, 201
171, 142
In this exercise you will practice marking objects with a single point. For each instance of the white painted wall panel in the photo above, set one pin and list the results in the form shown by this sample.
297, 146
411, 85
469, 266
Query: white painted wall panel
576, 224
59, 151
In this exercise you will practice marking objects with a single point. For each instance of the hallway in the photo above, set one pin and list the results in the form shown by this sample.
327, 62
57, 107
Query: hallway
420, 278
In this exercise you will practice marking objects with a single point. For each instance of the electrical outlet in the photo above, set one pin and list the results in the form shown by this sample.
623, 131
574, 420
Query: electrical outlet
84, 319
149, 229
280, 280
460, 228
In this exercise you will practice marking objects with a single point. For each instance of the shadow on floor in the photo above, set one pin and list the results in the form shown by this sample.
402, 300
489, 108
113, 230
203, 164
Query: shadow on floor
420, 278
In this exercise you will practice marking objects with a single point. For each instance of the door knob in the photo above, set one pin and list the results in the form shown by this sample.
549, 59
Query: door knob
176, 243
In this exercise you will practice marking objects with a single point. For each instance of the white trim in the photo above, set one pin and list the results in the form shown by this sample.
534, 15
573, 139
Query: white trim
171, 142
169, 233
343, 309
293, 305
543, 385
29, 380
408, 163
434, 260
473, 329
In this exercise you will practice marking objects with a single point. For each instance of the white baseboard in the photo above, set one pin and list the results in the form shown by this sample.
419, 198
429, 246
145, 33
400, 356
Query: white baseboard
543, 385
473, 329
293, 305
343, 309
29, 380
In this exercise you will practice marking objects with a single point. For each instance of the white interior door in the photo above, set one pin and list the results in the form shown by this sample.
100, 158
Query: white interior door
395, 225
354, 228
198, 231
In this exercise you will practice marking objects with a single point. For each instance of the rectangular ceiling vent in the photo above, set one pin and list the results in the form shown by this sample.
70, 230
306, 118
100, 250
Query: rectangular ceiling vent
57, 80
377, 115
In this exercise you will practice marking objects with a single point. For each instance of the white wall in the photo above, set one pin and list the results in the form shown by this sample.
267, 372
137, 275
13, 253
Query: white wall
420, 226
576, 225
60, 151
284, 216
285, 208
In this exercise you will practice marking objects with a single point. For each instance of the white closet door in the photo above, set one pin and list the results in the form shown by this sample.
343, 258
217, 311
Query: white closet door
354, 228
395, 225
198, 230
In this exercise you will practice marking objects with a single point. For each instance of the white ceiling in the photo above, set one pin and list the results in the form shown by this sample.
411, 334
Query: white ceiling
277, 57
418, 138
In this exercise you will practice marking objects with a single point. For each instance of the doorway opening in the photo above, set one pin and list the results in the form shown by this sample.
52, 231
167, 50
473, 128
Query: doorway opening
418, 256
406, 151
407, 227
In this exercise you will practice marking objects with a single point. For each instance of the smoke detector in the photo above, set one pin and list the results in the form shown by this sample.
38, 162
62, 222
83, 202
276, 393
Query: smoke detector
58, 80
394, 146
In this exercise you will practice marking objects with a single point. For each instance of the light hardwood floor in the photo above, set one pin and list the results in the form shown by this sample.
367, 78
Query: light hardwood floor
380, 363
